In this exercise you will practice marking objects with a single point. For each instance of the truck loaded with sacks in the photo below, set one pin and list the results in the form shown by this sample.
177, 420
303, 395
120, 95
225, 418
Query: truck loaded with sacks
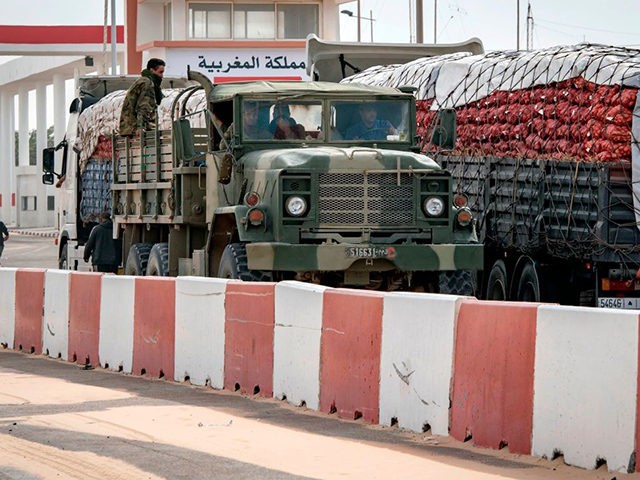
267, 181
544, 144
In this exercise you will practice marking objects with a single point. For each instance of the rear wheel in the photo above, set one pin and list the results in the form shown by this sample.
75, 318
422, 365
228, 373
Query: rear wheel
458, 282
158, 265
497, 286
233, 264
137, 259
529, 284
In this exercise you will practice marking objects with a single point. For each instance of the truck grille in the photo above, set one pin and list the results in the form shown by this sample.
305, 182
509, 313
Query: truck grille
365, 199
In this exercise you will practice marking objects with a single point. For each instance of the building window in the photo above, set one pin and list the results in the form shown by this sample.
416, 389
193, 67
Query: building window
297, 21
51, 203
248, 21
29, 203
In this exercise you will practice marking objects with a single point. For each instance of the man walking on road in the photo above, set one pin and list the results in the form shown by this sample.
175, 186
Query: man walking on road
101, 246
4, 236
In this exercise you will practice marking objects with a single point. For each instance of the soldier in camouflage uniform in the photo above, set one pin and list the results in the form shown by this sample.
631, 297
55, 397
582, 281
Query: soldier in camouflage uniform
142, 100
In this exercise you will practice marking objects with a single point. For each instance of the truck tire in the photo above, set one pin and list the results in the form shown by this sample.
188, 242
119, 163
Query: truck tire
458, 282
529, 284
137, 259
158, 265
497, 285
63, 261
233, 264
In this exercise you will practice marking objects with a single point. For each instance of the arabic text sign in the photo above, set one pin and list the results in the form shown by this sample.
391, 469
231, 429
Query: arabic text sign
268, 62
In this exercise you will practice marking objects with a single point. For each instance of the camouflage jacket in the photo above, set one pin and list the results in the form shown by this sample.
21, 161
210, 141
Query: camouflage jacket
140, 104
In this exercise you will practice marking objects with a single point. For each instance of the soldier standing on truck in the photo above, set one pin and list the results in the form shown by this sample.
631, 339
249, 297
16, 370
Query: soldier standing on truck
143, 97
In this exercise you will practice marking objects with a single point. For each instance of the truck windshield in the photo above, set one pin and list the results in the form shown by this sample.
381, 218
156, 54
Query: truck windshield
381, 120
289, 120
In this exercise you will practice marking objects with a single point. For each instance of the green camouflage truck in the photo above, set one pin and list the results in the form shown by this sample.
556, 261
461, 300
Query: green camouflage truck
286, 180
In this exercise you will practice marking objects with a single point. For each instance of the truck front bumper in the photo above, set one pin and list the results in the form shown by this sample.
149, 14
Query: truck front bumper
300, 258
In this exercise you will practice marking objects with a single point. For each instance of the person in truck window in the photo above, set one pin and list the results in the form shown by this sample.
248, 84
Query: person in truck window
253, 129
370, 127
283, 126
139, 109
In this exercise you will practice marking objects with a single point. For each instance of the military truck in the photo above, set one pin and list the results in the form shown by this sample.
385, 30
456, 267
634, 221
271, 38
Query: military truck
279, 183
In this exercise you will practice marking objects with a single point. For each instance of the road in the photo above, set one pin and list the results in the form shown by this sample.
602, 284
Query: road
60, 421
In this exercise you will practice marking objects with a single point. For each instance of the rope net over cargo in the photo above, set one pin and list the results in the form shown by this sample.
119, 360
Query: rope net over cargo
552, 134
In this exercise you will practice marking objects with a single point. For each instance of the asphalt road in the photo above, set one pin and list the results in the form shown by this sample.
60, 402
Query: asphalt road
29, 251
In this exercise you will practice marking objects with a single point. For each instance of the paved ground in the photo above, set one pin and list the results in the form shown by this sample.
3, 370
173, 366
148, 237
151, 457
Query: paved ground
60, 421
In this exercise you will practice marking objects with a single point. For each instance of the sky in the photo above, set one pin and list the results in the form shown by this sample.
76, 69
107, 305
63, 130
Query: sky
555, 22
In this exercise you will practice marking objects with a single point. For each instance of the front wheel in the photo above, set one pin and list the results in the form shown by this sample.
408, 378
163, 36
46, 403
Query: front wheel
233, 265
63, 260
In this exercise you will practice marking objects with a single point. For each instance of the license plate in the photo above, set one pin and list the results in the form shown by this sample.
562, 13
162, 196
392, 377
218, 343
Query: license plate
614, 302
368, 252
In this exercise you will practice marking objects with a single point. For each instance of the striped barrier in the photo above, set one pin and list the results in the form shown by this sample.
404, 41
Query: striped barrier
543, 380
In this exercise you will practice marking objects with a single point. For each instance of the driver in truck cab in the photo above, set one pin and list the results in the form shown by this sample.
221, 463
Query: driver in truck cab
370, 127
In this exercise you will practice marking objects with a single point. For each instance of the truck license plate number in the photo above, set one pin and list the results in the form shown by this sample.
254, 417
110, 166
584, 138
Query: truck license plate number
612, 302
367, 252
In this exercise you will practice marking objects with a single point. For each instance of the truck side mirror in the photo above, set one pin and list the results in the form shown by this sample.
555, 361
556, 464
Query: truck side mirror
47, 178
444, 134
48, 161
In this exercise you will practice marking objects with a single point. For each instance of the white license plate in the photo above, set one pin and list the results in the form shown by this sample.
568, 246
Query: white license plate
614, 302
367, 252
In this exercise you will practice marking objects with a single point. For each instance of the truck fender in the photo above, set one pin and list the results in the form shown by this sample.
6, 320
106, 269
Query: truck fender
225, 228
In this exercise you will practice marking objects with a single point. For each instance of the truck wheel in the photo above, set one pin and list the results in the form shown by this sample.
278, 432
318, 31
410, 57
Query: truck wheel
158, 265
529, 284
459, 282
233, 264
137, 259
63, 261
497, 285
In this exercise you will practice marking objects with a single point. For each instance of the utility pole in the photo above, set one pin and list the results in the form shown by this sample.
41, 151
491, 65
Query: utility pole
435, 21
114, 53
410, 22
529, 27
419, 29
517, 24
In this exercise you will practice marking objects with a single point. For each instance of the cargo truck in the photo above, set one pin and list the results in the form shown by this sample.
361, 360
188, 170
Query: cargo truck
261, 181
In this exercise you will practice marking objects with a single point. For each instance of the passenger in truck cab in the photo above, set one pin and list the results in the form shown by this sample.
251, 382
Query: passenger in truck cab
253, 128
283, 126
139, 109
369, 126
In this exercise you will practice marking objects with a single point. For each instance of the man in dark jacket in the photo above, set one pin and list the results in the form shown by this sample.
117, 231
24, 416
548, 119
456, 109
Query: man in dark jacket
4, 235
140, 105
101, 246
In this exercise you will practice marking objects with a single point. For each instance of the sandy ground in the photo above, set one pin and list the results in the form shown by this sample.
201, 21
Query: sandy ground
58, 421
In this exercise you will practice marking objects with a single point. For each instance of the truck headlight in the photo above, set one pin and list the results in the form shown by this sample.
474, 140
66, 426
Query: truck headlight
296, 206
433, 206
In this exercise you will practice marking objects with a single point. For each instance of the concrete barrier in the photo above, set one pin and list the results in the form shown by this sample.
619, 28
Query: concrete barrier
154, 313
492, 397
416, 360
248, 350
55, 331
296, 343
586, 386
350, 354
117, 301
29, 308
84, 317
200, 340
7, 306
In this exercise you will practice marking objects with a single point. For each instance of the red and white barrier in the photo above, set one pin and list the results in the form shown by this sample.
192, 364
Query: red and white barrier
416, 361
296, 343
117, 301
55, 330
586, 386
540, 379
7, 306
200, 321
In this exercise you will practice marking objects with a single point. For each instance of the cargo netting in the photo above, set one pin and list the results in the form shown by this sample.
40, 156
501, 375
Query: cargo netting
547, 142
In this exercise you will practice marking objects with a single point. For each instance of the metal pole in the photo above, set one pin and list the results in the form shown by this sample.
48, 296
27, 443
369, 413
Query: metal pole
410, 23
435, 21
359, 20
114, 53
517, 24
371, 20
419, 29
